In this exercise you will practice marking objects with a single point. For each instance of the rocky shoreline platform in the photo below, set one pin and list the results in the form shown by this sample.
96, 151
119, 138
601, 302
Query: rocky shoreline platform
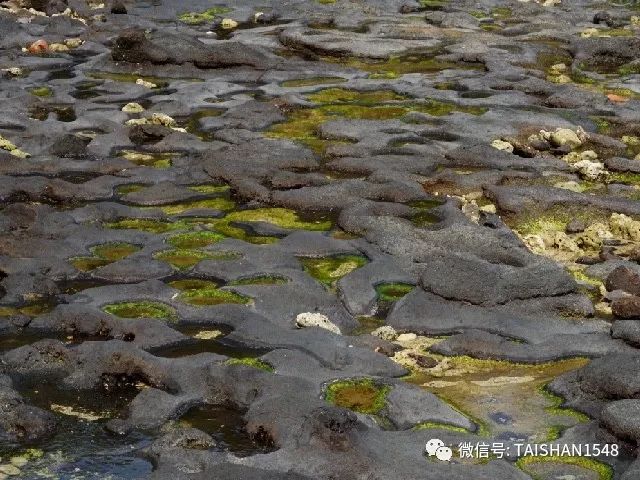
300, 239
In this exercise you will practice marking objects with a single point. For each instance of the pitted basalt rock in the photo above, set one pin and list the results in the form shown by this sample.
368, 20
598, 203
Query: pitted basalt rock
173, 177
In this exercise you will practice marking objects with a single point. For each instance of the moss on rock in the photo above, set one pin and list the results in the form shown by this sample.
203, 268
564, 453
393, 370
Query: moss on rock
141, 309
328, 270
360, 395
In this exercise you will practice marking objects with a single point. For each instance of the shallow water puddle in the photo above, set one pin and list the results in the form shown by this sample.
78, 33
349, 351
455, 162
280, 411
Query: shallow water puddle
508, 400
81, 448
228, 428
210, 339
339, 103
204, 292
328, 270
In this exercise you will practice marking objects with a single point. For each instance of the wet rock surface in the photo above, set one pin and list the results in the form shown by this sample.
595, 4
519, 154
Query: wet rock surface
301, 240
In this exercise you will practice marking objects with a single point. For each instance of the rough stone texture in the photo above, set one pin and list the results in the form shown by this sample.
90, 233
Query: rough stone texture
373, 124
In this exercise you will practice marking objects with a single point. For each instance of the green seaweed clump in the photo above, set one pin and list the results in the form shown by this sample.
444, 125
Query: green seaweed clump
141, 309
309, 82
439, 426
191, 240
41, 91
104, 254
204, 292
303, 124
328, 270
281, 217
186, 258
261, 280
362, 396
251, 362
198, 18
391, 292
218, 203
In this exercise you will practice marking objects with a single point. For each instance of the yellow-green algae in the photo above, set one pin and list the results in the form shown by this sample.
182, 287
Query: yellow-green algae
141, 309
133, 77
205, 292
129, 188
328, 270
261, 280
218, 203
192, 124
187, 258
43, 91
191, 240
555, 218
360, 395
31, 309
335, 103
391, 292
308, 82
367, 324
104, 254
145, 159
604, 471
198, 18
158, 226
440, 426
209, 188
250, 362
479, 388
281, 217
395, 66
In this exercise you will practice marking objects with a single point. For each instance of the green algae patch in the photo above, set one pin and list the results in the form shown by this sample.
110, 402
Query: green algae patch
440, 426
192, 284
328, 270
114, 251
129, 188
281, 217
392, 292
191, 240
155, 160
556, 407
309, 82
367, 324
423, 215
397, 66
209, 188
555, 219
192, 123
303, 124
41, 91
187, 258
219, 203
104, 254
363, 396
528, 463
198, 18
481, 388
130, 78
212, 296
251, 362
261, 280
31, 309
433, 4
205, 292
141, 309
342, 95
146, 225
